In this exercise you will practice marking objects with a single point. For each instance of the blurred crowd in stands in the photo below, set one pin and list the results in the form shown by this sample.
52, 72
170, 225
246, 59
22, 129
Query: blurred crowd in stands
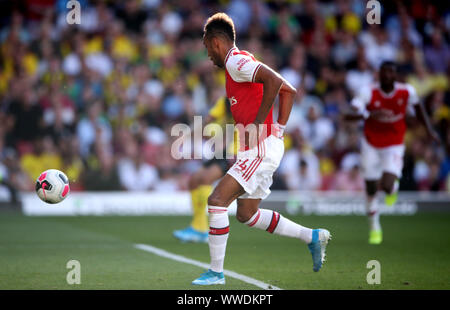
98, 100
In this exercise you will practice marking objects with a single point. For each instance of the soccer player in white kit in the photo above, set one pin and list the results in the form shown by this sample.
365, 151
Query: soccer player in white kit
251, 87
383, 107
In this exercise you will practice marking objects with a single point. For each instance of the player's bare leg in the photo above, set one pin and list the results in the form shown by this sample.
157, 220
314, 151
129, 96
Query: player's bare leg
200, 187
389, 184
246, 209
248, 212
225, 192
373, 213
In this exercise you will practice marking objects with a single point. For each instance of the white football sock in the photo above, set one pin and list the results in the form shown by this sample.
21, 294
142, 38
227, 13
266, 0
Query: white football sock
219, 227
273, 222
395, 187
373, 214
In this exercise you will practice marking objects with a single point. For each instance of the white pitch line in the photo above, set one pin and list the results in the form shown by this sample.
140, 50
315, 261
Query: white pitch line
179, 258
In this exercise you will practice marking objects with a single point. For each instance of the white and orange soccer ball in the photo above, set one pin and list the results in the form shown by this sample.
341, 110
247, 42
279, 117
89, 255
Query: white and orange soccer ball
52, 186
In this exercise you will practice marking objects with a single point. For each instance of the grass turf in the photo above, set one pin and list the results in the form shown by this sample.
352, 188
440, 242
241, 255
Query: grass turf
34, 251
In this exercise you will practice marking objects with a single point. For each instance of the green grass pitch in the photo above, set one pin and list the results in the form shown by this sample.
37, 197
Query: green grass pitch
34, 251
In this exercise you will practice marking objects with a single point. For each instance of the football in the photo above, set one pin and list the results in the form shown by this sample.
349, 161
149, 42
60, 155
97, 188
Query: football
52, 186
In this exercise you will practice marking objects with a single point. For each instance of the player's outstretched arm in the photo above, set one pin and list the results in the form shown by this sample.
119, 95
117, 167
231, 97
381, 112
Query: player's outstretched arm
423, 117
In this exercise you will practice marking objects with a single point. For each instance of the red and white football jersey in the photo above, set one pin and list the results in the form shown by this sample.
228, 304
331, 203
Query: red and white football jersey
391, 129
244, 94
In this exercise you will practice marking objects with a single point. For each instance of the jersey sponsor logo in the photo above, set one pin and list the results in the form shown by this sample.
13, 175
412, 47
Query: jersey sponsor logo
387, 116
233, 101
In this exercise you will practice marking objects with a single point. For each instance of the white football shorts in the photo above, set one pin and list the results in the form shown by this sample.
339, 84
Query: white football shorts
254, 168
377, 160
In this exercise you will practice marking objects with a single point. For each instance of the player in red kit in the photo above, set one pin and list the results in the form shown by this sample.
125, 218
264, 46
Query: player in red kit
383, 107
251, 87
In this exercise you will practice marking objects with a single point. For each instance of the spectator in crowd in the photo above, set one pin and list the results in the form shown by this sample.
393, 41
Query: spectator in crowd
88, 127
44, 156
444, 172
101, 173
437, 54
379, 48
402, 26
26, 117
359, 77
5, 182
300, 166
346, 48
134, 173
317, 129
293, 72
167, 181
349, 177
72, 164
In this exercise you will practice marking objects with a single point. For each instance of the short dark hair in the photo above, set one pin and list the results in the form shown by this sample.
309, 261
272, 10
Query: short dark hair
219, 24
388, 63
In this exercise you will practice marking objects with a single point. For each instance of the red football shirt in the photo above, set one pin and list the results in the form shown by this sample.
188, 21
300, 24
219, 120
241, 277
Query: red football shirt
244, 94
391, 129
